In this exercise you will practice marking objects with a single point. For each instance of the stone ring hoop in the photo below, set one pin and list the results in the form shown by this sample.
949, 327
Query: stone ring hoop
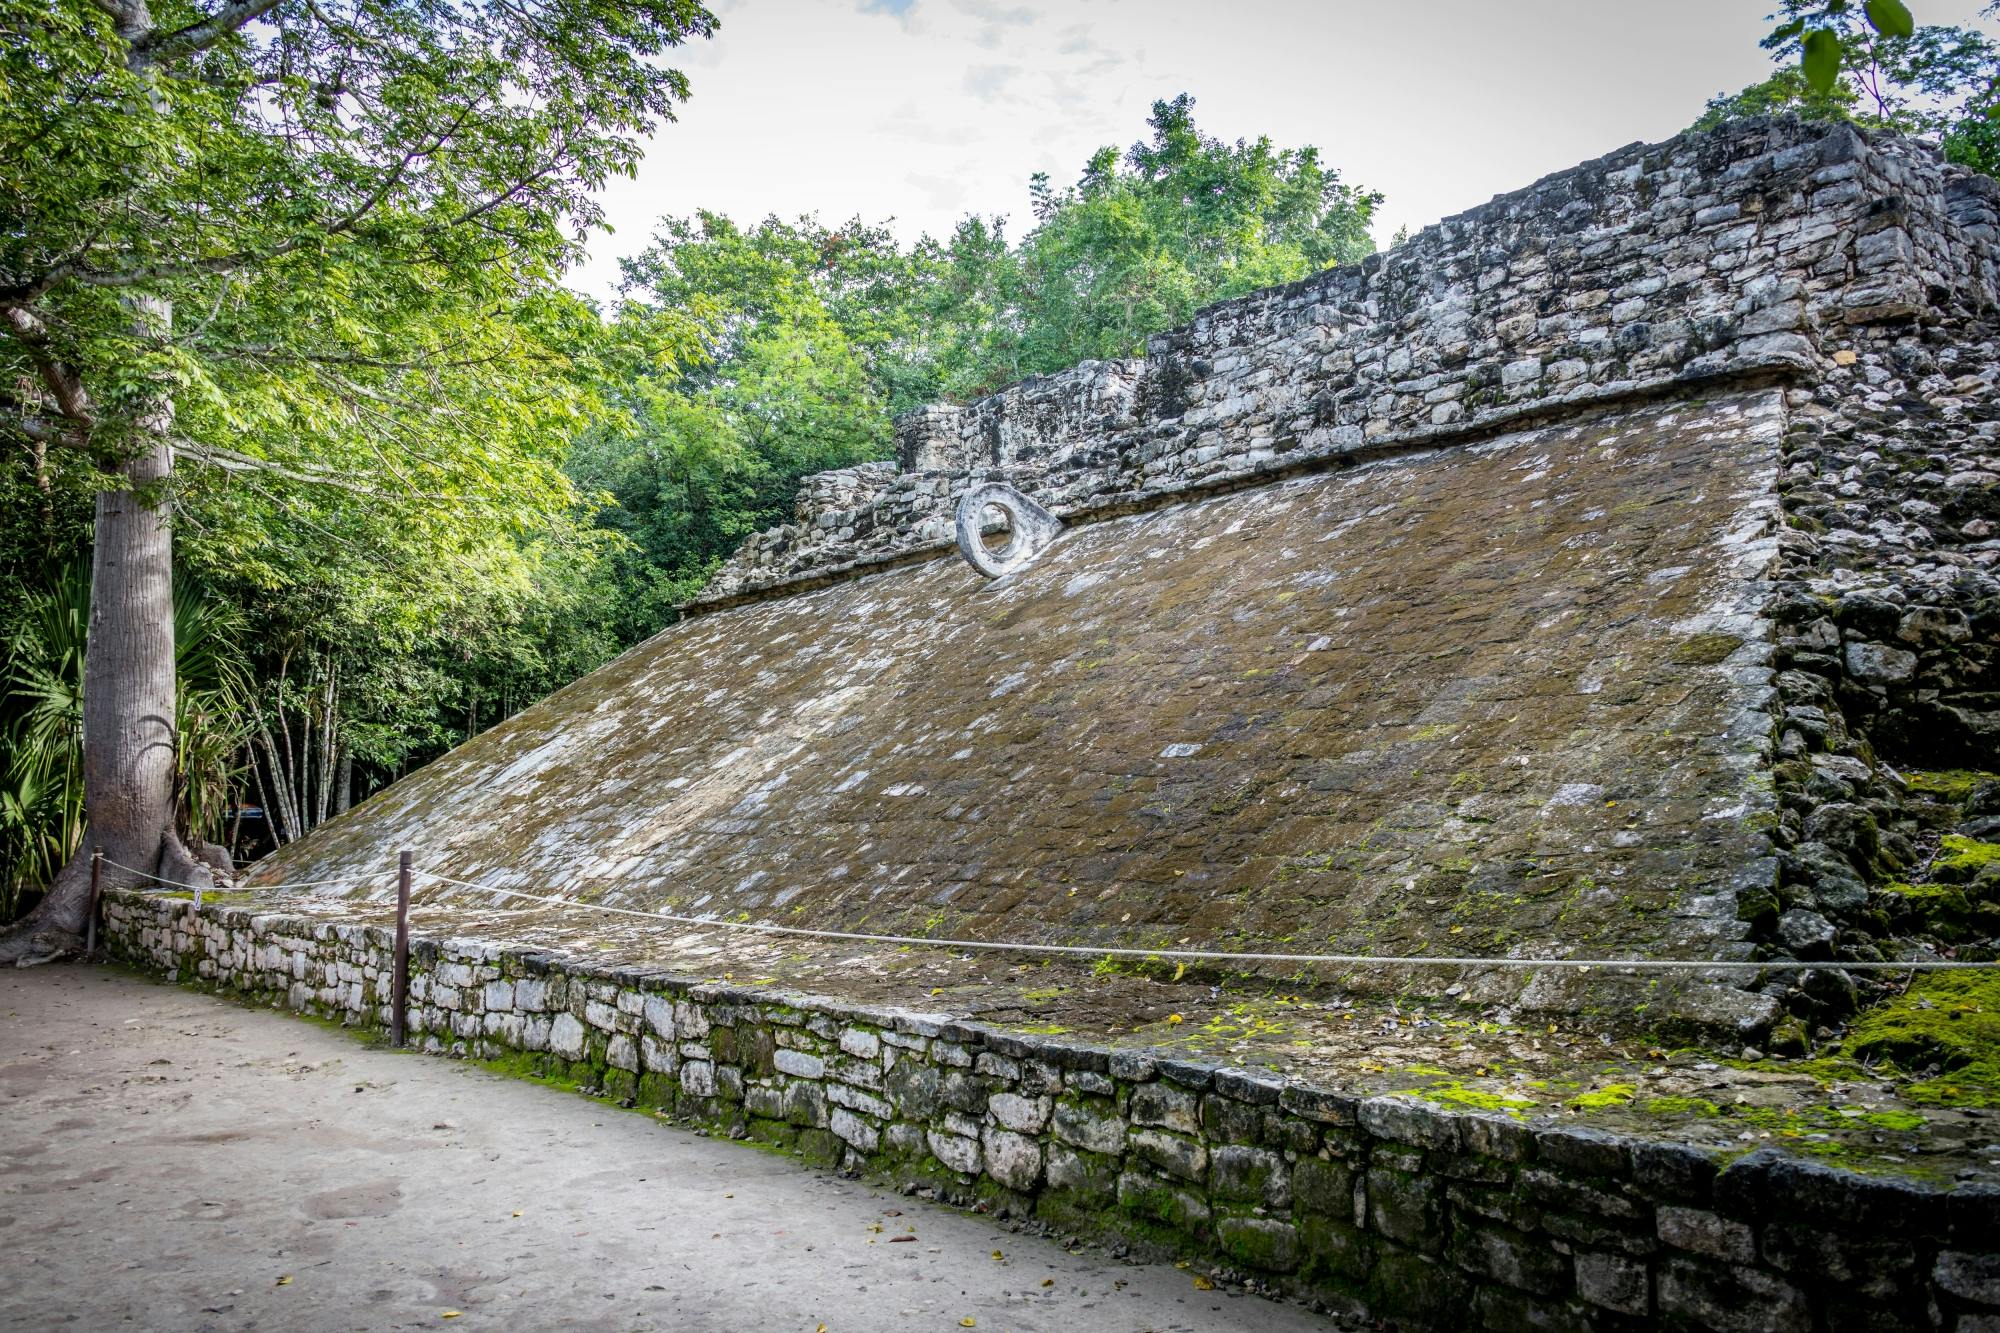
1030, 529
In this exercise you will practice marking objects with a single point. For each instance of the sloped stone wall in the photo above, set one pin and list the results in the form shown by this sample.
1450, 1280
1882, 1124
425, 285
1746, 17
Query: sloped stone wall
1509, 700
1438, 1218
1735, 254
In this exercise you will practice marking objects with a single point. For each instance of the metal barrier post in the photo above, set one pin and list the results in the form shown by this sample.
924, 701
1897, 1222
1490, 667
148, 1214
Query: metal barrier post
400, 994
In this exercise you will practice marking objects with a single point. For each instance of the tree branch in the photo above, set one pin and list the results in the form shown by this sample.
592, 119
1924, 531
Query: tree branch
157, 48
64, 385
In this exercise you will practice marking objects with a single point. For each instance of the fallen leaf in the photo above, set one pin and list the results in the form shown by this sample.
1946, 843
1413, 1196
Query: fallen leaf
1175, 1018
1203, 1284
968, 1322
820, 1329
997, 1256
451, 1314
285, 1281
1048, 1282
517, 1212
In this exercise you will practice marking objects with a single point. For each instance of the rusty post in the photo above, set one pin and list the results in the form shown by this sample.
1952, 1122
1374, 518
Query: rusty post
399, 999
96, 892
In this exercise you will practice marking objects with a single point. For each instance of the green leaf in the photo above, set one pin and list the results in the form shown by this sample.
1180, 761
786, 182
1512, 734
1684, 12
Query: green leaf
1822, 60
1891, 18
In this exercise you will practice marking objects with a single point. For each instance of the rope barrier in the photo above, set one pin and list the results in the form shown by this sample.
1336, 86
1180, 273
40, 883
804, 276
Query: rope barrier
1218, 955
213, 888
1172, 955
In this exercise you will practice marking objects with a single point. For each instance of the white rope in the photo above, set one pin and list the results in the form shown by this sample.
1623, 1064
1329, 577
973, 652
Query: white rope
215, 888
1217, 955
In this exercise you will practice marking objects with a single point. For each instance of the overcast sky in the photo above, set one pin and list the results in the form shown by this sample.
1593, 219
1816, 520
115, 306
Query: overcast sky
919, 111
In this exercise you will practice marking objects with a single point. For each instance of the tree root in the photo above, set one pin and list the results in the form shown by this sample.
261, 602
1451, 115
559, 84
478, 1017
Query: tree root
58, 926
179, 865
31, 948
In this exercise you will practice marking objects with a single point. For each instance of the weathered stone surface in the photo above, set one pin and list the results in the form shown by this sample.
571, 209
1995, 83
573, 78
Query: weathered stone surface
1705, 1233
566, 1037
1732, 1300
1172, 1153
1614, 1282
1029, 529
1426, 676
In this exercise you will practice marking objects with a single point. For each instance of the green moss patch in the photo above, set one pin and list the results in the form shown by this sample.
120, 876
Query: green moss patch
1960, 859
1598, 1099
1946, 1030
1951, 784
1943, 910
1705, 649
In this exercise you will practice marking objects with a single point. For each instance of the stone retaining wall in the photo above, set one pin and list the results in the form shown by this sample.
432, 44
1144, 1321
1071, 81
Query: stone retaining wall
1726, 255
1437, 1218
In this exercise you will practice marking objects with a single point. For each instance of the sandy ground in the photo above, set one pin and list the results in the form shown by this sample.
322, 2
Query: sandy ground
173, 1161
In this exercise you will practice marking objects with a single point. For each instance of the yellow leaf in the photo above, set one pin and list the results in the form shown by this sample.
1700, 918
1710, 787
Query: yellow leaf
285, 1281
997, 1256
968, 1322
1048, 1282
820, 1329
1175, 1018
1203, 1284
451, 1314
1180, 970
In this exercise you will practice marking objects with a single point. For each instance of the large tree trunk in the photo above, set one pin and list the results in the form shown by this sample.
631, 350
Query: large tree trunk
128, 686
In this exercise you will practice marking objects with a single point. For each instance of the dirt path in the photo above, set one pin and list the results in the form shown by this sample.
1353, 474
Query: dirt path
173, 1161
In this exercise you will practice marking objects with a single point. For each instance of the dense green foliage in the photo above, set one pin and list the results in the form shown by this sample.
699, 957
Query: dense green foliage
1873, 64
318, 248
817, 336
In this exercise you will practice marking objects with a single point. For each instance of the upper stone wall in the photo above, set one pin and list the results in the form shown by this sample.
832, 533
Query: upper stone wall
1731, 254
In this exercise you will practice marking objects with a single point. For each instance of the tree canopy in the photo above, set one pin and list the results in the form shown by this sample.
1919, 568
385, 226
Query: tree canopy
1873, 64
283, 283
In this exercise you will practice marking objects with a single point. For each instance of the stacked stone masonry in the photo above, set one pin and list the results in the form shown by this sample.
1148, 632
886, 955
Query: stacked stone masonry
1742, 253
1435, 1218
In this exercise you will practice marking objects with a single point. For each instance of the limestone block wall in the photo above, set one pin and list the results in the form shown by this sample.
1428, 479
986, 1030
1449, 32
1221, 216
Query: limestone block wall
1440, 1219
1734, 254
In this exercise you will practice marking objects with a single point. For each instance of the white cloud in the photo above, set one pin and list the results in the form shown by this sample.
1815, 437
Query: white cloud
820, 106
987, 82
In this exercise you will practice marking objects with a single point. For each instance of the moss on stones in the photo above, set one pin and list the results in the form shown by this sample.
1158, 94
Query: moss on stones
1943, 910
1705, 649
1963, 860
1946, 1030
1953, 784
1599, 1099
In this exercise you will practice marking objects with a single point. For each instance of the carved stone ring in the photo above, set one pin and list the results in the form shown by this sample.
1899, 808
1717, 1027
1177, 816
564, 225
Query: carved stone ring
1030, 528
